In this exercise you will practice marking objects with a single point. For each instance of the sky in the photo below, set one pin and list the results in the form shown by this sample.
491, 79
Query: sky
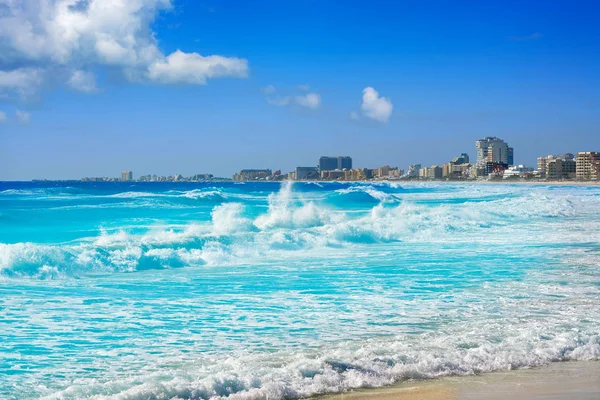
95, 87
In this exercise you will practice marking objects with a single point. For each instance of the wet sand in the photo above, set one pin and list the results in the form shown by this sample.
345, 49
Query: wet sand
558, 381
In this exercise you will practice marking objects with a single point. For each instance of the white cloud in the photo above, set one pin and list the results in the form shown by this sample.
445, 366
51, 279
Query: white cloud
23, 81
3, 117
376, 107
303, 88
23, 117
193, 68
310, 100
77, 35
83, 81
116, 31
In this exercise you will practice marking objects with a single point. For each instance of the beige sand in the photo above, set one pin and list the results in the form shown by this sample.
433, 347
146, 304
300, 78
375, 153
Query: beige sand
559, 381
500, 182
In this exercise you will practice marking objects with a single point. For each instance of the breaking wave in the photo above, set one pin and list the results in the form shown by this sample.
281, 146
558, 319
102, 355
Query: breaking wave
286, 375
290, 223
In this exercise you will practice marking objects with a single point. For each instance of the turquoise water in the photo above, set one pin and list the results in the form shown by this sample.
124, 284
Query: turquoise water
267, 290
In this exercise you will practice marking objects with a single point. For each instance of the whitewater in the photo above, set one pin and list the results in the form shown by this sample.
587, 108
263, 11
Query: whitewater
284, 291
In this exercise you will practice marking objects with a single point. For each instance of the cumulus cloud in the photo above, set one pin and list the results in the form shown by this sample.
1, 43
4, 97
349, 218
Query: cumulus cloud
22, 116
308, 100
3, 117
193, 68
62, 36
23, 81
376, 107
83, 81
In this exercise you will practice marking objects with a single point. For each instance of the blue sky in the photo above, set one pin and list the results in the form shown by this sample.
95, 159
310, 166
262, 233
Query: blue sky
92, 92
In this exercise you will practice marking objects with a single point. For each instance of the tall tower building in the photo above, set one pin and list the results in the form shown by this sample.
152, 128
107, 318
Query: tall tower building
126, 176
493, 150
344, 162
333, 163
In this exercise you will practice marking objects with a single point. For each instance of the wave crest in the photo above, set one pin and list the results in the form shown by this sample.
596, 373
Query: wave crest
290, 223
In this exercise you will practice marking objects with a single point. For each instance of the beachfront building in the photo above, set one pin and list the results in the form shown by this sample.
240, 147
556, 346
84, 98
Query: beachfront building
433, 172
412, 172
358, 174
252, 175
458, 168
542, 164
560, 168
588, 166
335, 175
495, 151
556, 167
387, 172
495, 169
327, 163
126, 176
517, 172
456, 171
306, 173
202, 177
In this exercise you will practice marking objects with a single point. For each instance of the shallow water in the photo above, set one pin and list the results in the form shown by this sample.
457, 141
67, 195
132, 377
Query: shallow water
262, 290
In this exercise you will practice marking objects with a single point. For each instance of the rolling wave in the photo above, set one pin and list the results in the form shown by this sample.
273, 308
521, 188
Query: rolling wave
344, 368
289, 224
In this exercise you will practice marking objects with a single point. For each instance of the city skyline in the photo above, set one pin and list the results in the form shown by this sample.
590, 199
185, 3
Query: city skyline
200, 87
494, 160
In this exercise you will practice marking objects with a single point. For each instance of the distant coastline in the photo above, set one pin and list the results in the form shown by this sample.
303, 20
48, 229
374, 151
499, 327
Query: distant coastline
396, 181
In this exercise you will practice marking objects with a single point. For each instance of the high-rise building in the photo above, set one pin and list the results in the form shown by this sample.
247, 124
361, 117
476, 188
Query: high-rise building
588, 166
511, 156
332, 163
344, 162
328, 163
493, 150
126, 176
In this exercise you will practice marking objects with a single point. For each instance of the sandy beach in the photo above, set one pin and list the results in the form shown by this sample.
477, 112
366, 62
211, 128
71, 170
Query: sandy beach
558, 381
496, 182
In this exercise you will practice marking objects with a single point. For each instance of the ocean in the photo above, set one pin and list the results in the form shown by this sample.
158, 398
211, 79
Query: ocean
288, 290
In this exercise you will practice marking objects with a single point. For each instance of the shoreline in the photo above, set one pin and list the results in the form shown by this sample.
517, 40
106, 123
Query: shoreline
565, 380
